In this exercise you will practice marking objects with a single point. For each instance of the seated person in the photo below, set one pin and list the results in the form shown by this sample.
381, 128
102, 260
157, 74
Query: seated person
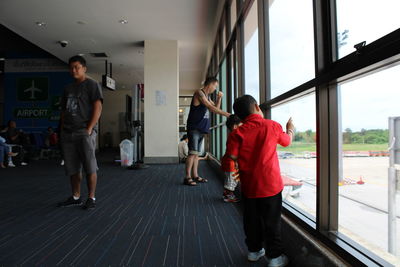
183, 149
19, 139
6, 149
51, 138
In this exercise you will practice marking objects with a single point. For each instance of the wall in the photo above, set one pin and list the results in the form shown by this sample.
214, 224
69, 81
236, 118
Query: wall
161, 79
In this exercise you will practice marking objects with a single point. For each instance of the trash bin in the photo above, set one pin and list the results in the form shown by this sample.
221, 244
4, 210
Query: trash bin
126, 151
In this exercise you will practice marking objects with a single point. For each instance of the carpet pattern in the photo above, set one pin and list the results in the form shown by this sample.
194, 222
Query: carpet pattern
143, 218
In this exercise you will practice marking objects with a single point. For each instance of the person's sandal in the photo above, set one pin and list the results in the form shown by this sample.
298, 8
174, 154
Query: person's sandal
189, 181
200, 180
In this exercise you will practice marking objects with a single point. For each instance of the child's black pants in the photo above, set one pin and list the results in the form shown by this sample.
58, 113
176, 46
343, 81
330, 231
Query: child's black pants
262, 224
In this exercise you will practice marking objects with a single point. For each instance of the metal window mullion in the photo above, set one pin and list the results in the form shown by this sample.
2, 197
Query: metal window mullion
264, 54
240, 55
327, 119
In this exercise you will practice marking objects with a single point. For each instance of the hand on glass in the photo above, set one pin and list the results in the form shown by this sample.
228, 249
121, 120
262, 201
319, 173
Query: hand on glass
290, 126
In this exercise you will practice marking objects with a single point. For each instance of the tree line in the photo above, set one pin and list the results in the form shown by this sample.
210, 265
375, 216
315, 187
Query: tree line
374, 136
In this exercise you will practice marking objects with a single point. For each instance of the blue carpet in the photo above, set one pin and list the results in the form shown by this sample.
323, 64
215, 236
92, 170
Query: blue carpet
142, 218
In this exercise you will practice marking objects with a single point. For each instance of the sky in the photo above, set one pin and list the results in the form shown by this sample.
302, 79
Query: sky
367, 102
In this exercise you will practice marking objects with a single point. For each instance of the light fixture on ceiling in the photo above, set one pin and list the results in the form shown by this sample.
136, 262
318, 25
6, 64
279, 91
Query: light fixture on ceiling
81, 54
180, 110
2, 59
40, 23
123, 21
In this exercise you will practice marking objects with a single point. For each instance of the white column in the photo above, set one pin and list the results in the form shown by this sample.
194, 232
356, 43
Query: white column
161, 101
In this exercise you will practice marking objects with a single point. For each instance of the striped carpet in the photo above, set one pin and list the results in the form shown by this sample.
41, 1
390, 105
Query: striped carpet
143, 218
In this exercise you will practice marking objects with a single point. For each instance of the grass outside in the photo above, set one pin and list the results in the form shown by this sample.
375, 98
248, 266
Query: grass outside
298, 147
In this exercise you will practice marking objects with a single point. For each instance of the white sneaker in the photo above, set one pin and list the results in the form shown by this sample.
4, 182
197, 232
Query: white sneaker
24, 163
62, 163
255, 256
10, 164
280, 261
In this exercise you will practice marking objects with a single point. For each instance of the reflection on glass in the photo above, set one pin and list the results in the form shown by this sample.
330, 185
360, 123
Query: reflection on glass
251, 60
376, 19
292, 44
233, 14
298, 161
366, 105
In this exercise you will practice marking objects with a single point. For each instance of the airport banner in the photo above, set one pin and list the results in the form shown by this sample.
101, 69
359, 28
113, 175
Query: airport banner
33, 89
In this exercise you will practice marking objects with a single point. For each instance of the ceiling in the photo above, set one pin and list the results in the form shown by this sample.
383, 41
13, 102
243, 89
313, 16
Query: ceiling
94, 26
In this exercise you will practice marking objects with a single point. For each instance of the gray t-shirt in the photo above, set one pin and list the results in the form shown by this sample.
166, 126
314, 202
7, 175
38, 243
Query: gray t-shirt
77, 104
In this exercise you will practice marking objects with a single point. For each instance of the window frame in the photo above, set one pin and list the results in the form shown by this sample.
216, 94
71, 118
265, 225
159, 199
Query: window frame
329, 71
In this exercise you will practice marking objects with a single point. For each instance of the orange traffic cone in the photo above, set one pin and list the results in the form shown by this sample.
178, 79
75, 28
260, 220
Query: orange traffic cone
360, 181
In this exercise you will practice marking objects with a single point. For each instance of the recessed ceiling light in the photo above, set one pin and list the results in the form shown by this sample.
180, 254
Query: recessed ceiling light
40, 23
123, 21
81, 54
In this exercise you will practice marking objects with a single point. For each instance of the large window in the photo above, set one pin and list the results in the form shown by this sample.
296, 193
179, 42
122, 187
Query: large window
364, 20
251, 66
336, 171
292, 44
366, 106
298, 161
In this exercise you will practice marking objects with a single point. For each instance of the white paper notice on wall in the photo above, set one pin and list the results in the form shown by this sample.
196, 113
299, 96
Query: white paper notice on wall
161, 98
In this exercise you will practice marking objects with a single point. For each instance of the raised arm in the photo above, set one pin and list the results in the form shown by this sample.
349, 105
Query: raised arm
213, 108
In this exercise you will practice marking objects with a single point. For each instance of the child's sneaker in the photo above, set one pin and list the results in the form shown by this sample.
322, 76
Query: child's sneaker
229, 196
280, 261
255, 256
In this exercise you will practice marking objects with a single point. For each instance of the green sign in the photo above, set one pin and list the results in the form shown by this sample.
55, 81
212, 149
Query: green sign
33, 89
32, 113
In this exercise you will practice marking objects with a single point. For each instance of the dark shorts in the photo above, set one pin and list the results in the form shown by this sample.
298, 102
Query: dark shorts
195, 139
78, 150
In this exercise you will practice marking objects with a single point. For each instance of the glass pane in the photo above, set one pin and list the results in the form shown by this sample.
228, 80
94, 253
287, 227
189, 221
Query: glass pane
233, 14
218, 142
213, 142
364, 20
224, 106
233, 80
298, 161
292, 44
366, 106
223, 36
251, 65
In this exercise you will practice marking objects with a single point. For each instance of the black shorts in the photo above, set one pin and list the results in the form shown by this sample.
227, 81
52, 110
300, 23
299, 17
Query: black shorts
195, 139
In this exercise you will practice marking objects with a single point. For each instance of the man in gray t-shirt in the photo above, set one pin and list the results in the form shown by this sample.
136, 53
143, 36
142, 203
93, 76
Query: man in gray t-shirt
81, 106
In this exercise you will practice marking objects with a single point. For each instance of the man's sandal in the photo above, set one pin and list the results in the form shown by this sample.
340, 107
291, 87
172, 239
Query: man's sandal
200, 180
189, 181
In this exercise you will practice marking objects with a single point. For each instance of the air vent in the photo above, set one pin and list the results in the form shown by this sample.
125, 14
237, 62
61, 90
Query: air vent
98, 54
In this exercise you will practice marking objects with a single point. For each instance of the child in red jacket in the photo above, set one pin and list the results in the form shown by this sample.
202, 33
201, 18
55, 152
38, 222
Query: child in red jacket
253, 146
228, 165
